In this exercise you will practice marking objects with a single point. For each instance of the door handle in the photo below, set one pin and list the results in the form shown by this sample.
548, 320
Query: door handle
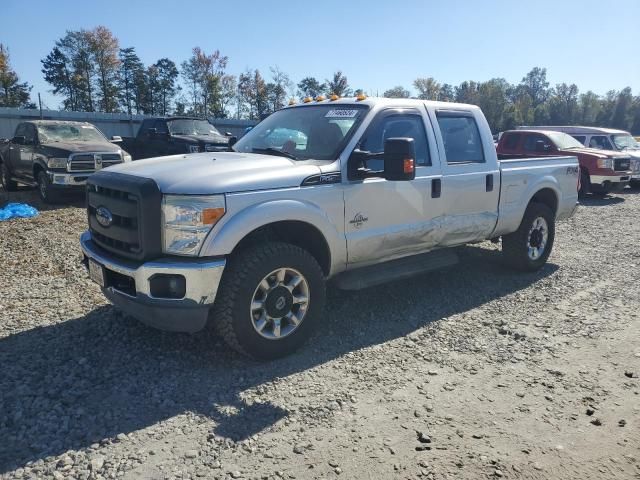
489, 182
436, 188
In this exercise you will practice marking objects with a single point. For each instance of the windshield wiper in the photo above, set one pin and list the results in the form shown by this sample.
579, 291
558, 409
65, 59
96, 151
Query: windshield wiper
274, 151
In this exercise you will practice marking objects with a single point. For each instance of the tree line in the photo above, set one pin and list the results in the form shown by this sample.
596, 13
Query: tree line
90, 71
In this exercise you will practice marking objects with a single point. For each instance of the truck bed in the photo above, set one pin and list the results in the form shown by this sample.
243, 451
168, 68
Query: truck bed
521, 178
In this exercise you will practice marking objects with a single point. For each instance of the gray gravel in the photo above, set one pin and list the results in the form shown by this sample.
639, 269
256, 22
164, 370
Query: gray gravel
472, 372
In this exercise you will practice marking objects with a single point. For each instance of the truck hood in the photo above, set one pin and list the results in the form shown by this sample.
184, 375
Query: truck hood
76, 147
597, 152
221, 172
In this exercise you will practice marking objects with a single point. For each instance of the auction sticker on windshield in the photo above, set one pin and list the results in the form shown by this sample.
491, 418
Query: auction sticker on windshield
341, 113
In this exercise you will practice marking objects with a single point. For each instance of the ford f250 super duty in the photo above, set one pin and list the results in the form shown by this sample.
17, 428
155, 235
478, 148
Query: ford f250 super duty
361, 191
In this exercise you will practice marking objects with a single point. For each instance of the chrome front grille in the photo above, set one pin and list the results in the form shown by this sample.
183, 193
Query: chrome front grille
622, 164
90, 162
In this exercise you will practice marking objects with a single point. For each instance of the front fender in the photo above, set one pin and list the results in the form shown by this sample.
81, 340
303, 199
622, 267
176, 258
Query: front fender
224, 237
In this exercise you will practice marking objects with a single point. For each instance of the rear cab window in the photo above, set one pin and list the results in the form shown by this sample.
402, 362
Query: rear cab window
531, 141
511, 141
461, 137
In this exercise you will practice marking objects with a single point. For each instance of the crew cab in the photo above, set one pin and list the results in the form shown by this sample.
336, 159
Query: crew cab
605, 139
162, 136
56, 156
601, 172
360, 191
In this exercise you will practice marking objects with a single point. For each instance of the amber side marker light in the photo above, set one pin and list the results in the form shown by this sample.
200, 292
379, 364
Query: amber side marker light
210, 216
409, 166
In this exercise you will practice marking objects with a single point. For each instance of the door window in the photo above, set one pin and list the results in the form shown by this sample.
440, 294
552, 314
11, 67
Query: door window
461, 137
531, 142
393, 126
21, 130
601, 142
161, 126
29, 134
580, 138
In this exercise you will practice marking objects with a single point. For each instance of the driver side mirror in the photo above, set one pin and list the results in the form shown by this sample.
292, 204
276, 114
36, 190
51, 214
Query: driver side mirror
232, 141
399, 159
116, 138
19, 139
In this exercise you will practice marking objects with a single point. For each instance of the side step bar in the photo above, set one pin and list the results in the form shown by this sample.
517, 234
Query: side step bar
399, 269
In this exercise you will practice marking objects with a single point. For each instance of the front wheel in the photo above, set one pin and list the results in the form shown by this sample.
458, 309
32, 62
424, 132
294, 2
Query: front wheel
270, 300
45, 190
529, 247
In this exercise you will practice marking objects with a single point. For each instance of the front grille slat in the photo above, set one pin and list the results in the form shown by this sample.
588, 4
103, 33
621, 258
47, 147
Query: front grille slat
134, 204
622, 164
86, 162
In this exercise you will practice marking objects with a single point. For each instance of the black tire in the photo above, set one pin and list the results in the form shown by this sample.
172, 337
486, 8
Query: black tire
45, 191
232, 312
9, 185
634, 183
515, 246
585, 183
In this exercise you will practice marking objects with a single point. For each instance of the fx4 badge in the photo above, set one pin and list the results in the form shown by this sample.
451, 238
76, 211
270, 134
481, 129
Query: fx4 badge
358, 220
572, 171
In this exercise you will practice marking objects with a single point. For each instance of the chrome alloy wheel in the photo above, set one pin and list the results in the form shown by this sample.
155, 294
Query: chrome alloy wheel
537, 238
280, 303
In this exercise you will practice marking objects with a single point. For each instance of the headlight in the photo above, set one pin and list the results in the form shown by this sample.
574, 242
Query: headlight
126, 158
54, 162
187, 219
605, 163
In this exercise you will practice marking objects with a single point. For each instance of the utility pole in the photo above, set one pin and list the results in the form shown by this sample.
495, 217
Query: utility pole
40, 104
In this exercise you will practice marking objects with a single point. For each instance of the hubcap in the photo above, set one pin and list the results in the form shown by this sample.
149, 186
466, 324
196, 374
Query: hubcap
538, 237
280, 303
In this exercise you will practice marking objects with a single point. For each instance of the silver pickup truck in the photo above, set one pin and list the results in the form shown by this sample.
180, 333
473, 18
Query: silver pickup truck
360, 190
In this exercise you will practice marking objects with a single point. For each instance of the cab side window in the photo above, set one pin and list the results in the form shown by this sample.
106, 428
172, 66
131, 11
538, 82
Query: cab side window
393, 126
601, 142
580, 138
531, 142
161, 126
461, 137
21, 130
29, 134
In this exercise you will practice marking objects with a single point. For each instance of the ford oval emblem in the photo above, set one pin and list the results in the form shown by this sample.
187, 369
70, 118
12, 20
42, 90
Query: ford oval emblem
104, 217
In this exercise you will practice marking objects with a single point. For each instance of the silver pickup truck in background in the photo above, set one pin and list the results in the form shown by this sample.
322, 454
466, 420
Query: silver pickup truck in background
361, 191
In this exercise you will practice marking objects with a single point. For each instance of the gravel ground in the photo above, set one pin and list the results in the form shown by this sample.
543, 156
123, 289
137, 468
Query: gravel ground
471, 372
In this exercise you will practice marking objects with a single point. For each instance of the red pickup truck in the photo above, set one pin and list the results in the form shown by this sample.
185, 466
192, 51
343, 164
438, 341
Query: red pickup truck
601, 171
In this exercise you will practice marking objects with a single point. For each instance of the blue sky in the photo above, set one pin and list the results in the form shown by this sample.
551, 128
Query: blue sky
377, 44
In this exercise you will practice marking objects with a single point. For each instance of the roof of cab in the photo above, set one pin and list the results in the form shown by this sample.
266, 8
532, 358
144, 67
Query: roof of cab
574, 129
396, 102
57, 122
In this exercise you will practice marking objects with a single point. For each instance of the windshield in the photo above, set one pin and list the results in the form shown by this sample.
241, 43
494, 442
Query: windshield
623, 141
69, 133
317, 132
563, 141
186, 126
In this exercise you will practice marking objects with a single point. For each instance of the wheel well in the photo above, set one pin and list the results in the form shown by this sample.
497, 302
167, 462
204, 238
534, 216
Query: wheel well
547, 197
301, 234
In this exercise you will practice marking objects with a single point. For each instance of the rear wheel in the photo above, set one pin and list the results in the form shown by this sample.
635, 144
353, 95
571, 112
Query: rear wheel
529, 247
270, 300
5, 178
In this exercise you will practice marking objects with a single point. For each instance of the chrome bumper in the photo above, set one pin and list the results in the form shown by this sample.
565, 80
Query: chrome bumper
187, 314
68, 179
602, 179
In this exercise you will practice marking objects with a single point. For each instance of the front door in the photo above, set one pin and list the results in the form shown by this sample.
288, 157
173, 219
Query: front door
470, 179
22, 155
391, 219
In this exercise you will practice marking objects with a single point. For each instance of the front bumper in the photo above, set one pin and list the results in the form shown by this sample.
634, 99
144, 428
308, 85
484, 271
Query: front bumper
187, 314
58, 179
604, 179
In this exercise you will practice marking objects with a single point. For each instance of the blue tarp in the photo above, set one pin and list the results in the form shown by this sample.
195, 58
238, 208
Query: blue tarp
17, 210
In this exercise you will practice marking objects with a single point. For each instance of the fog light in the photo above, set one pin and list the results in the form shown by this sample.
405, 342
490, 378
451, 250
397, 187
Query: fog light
167, 286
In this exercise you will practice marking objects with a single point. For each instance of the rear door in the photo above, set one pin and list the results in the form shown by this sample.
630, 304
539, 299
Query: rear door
470, 176
391, 219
